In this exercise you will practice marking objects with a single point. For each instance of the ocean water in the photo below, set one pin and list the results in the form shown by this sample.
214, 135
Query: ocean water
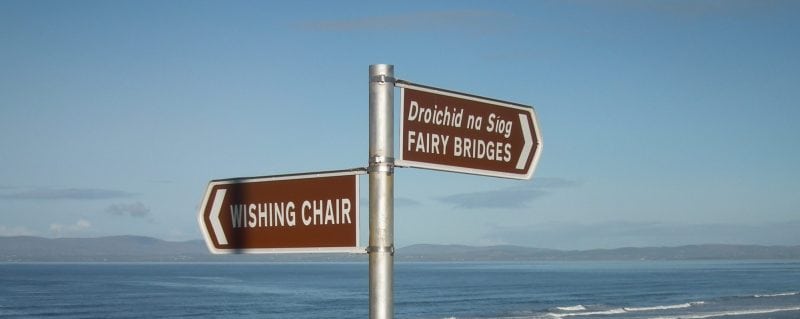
683, 289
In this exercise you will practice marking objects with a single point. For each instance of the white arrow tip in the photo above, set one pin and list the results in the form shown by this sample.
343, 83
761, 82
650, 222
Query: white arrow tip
526, 149
219, 196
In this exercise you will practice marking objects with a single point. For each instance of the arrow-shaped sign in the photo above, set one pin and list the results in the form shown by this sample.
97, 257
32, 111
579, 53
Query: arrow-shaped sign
451, 131
312, 212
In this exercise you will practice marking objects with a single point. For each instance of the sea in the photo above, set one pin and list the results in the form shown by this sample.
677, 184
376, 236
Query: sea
630, 289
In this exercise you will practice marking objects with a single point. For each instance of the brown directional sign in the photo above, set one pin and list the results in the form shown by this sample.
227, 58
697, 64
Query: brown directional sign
451, 131
314, 212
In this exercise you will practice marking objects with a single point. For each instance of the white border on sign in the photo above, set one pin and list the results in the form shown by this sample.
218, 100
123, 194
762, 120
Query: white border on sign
349, 250
458, 169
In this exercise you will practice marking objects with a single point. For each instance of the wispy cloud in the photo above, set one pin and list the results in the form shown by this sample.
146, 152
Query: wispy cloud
136, 209
695, 8
80, 226
161, 181
16, 231
398, 201
508, 198
418, 21
516, 197
64, 194
405, 201
553, 182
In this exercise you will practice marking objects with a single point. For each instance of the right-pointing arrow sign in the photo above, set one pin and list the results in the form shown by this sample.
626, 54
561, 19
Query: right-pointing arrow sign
451, 131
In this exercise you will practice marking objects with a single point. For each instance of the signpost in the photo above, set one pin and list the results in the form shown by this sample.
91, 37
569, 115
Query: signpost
313, 212
318, 212
458, 132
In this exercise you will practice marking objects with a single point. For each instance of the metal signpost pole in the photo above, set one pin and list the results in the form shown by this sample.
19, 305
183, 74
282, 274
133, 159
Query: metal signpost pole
509, 147
381, 191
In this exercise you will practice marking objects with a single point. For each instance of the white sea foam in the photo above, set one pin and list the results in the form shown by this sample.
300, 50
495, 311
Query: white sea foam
614, 311
666, 307
781, 294
579, 310
572, 308
730, 313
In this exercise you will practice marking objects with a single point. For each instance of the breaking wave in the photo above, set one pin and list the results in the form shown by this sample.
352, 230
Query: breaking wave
581, 311
667, 307
731, 313
614, 311
572, 308
780, 294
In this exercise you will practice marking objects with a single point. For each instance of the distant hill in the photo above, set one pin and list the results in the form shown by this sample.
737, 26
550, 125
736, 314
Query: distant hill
132, 249
517, 253
146, 249
117, 248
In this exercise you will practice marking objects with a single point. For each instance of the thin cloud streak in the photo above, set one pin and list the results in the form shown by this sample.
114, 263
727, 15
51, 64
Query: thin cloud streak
406, 202
66, 194
509, 198
7, 231
137, 210
472, 20
398, 201
695, 8
78, 227
553, 182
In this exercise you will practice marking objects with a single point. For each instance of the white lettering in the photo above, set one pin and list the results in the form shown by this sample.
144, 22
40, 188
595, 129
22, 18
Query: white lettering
430, 143
482, 150
264, 215
326, 212
305, 207
291, 217
412, 111
346, 211
329, 213
497, 125
237, 214
263, 221
251, 214
410, 139
318, 211
446, 116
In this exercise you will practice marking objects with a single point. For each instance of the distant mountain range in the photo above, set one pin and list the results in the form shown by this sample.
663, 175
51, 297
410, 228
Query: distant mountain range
146, 249
517, 253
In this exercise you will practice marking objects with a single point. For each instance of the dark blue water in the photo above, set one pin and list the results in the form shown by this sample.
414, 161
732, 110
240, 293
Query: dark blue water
422, 290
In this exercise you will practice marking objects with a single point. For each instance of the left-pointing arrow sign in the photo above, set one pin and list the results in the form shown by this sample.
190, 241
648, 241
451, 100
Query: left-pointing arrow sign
312, 212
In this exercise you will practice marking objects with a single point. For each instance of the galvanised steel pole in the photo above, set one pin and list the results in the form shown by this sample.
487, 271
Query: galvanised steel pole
381, 191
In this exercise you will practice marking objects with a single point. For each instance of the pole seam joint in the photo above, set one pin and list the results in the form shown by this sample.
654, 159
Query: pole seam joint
381, 164
381, 249
382, 79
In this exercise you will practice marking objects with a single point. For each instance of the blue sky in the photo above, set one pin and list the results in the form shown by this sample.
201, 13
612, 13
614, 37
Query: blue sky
664, 122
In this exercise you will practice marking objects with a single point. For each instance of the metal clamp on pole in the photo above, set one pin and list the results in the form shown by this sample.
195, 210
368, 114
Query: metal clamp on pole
382, 78
381, 164
381, 159
375, 249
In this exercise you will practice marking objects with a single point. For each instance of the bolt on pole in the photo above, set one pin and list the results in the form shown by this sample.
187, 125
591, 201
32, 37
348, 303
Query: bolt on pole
381, 191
